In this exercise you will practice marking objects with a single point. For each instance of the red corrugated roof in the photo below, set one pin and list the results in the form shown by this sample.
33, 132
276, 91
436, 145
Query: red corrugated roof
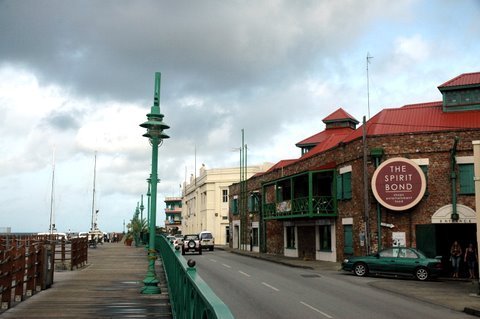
324, 135
329, 142
463, 79
416, 118
339, 114
281, 164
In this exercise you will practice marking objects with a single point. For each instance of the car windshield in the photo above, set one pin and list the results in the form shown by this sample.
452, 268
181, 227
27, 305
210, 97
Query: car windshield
207, 236
188, 237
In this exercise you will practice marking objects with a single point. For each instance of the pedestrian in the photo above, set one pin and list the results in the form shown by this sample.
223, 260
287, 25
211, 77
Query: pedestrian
470, 259
455, 256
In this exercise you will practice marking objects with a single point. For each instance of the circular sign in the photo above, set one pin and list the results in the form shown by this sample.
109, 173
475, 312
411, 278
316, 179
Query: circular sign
398, 183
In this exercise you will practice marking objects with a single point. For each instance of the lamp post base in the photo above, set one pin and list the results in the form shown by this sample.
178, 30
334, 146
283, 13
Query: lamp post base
150, 286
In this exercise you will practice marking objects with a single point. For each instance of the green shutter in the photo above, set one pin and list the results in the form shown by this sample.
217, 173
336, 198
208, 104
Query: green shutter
339, 187
467, 185
347, 185
347, 240
234, 206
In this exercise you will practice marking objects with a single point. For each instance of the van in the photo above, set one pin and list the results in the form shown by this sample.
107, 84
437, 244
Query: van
207, 240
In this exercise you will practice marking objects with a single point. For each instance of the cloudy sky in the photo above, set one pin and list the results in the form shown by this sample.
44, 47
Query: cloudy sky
78, 77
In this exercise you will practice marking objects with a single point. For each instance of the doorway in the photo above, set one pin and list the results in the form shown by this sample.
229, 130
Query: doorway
436, 239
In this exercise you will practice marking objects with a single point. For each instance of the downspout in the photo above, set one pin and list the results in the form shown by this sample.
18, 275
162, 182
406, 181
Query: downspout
453, 177
377, 154
366, 206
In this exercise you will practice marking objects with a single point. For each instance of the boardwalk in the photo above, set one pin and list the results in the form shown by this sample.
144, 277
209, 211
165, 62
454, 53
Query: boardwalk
109, 287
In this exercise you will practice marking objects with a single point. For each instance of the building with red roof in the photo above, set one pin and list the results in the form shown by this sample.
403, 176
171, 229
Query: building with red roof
405, 177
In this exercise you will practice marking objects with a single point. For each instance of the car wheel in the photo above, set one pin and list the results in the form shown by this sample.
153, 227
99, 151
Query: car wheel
360, 269
200, 252
183, 251
211, 248
421, 273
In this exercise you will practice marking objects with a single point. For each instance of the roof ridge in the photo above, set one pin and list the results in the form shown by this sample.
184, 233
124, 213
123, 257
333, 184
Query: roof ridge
456, 78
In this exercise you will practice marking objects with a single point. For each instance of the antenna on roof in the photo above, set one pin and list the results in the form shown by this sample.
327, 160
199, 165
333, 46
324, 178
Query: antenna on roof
368, 84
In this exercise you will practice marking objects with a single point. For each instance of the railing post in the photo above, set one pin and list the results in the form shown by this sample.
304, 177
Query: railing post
19, 270
31, 261
7, 265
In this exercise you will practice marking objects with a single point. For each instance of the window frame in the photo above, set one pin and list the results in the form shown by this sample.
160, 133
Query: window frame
326, 239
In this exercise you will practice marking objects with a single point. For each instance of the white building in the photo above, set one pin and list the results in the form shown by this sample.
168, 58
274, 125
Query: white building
205, 200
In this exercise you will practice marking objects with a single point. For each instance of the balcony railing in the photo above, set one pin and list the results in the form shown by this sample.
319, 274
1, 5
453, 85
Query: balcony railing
321, 206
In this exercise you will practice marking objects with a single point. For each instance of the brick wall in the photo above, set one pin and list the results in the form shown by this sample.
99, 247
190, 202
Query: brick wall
433, 146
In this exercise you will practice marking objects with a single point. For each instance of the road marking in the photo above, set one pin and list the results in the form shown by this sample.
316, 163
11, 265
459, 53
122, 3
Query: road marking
244, 273
271, 287
226, 266
213, 260
315, 309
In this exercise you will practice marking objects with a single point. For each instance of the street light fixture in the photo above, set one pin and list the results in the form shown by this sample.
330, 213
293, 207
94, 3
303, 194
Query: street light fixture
155, 127
141, 219
148, 200
138, 224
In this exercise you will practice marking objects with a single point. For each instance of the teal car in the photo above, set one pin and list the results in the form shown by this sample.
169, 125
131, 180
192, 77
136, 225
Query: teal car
396, 261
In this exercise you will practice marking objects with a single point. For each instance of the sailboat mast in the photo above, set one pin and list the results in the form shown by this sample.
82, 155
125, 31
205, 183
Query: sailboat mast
93, 226
52, 197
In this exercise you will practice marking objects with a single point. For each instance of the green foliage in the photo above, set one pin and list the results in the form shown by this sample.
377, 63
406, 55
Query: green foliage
136, 227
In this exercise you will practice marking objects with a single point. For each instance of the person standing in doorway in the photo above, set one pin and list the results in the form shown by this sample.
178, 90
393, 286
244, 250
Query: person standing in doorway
455, 256
470, 259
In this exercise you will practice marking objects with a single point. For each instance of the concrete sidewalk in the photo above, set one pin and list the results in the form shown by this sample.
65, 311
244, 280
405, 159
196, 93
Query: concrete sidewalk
108, 287
459, 295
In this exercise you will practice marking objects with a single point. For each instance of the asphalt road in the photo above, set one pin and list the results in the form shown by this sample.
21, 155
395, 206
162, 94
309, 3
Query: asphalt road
254, 288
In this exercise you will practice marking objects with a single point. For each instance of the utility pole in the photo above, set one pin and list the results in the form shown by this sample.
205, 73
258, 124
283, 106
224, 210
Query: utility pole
368, 84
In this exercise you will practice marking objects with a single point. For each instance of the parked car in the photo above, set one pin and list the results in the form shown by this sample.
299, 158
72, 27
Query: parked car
207, 240
191, 243
398, 261
178, 241
171, 238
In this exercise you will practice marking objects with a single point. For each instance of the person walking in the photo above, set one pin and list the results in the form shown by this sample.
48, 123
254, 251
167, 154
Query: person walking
455, 256
470, 259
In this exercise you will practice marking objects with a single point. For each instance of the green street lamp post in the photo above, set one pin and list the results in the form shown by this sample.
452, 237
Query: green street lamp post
141, 208
135, 220
141, 219
148, 201
155, 127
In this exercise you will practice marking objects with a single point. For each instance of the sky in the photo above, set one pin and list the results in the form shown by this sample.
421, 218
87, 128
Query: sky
77, 78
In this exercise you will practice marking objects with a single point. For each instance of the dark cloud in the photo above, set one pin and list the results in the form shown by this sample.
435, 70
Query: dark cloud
62, 121
112, 48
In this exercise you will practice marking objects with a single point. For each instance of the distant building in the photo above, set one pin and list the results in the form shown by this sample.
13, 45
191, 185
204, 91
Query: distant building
5, 230
406, 177
205, 200
173, 215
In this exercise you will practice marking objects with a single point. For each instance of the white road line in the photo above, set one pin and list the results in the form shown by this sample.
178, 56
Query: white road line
226, 266
244, 273
271, 287
315, 309
213, 260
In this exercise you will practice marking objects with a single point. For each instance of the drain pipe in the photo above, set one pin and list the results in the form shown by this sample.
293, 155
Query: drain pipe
377, 154
476, 170
453, 178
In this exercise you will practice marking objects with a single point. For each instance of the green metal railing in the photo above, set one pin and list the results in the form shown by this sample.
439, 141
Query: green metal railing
300, 207
190, 295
